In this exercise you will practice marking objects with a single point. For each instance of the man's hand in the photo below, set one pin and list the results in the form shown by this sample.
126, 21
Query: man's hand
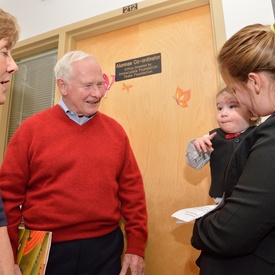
135, 263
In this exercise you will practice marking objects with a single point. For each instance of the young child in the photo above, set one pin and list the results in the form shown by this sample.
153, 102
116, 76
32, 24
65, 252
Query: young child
235, 123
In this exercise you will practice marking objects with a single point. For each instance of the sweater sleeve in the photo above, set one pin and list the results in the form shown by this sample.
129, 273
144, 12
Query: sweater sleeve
194, 158
133, 204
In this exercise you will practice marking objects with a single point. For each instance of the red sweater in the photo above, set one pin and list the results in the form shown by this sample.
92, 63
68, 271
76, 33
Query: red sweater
76, 181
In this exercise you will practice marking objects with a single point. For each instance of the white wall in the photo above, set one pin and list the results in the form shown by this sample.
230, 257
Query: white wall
239, 13
39, 16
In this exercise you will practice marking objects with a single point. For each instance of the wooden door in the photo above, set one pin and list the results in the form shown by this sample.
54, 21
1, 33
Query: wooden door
159, 128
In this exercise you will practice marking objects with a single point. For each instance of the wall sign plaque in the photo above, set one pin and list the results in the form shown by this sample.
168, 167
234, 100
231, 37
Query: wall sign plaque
138, 67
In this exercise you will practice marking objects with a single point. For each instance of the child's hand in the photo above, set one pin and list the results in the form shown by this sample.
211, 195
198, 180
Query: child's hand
204, 144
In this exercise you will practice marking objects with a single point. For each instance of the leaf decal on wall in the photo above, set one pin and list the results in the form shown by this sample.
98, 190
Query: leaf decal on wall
126, 87
108, 83
182, 97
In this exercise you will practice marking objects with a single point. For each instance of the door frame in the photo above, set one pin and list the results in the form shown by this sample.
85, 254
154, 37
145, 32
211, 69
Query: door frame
64, 39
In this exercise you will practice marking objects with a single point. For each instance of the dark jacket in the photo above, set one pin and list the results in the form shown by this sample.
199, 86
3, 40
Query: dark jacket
239, 237
219, 159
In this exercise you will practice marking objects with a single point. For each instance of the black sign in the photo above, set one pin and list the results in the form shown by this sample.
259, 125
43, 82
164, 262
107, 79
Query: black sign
130, 8
138, 67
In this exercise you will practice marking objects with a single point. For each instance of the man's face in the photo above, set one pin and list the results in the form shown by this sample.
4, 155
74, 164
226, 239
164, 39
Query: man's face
84, 90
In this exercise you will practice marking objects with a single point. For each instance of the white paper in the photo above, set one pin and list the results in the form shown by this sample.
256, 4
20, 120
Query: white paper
191, 214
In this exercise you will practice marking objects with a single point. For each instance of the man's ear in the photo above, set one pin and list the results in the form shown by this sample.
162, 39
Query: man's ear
254, 81
62, 86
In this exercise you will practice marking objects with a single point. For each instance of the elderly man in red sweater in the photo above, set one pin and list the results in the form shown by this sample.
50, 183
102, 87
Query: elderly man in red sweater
70, 170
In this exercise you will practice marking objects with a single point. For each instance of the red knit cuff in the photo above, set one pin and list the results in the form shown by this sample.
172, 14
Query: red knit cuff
136, 247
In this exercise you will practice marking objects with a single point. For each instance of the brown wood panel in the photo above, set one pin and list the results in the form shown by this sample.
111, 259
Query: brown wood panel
158, 128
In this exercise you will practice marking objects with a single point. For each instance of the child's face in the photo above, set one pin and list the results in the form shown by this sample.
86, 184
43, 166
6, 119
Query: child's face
231, 116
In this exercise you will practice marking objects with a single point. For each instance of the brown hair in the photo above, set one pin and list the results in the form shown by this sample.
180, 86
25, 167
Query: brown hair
225, 90
9, 28
251, 49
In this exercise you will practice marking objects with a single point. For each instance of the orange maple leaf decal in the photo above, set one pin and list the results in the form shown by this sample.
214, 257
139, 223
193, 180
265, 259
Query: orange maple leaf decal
126, 87
182, 97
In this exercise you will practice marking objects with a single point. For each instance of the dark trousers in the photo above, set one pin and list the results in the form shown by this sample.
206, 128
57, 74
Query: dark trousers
95, 256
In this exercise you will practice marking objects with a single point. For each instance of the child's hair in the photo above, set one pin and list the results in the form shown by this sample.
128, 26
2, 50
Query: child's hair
224, 90
253, 121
